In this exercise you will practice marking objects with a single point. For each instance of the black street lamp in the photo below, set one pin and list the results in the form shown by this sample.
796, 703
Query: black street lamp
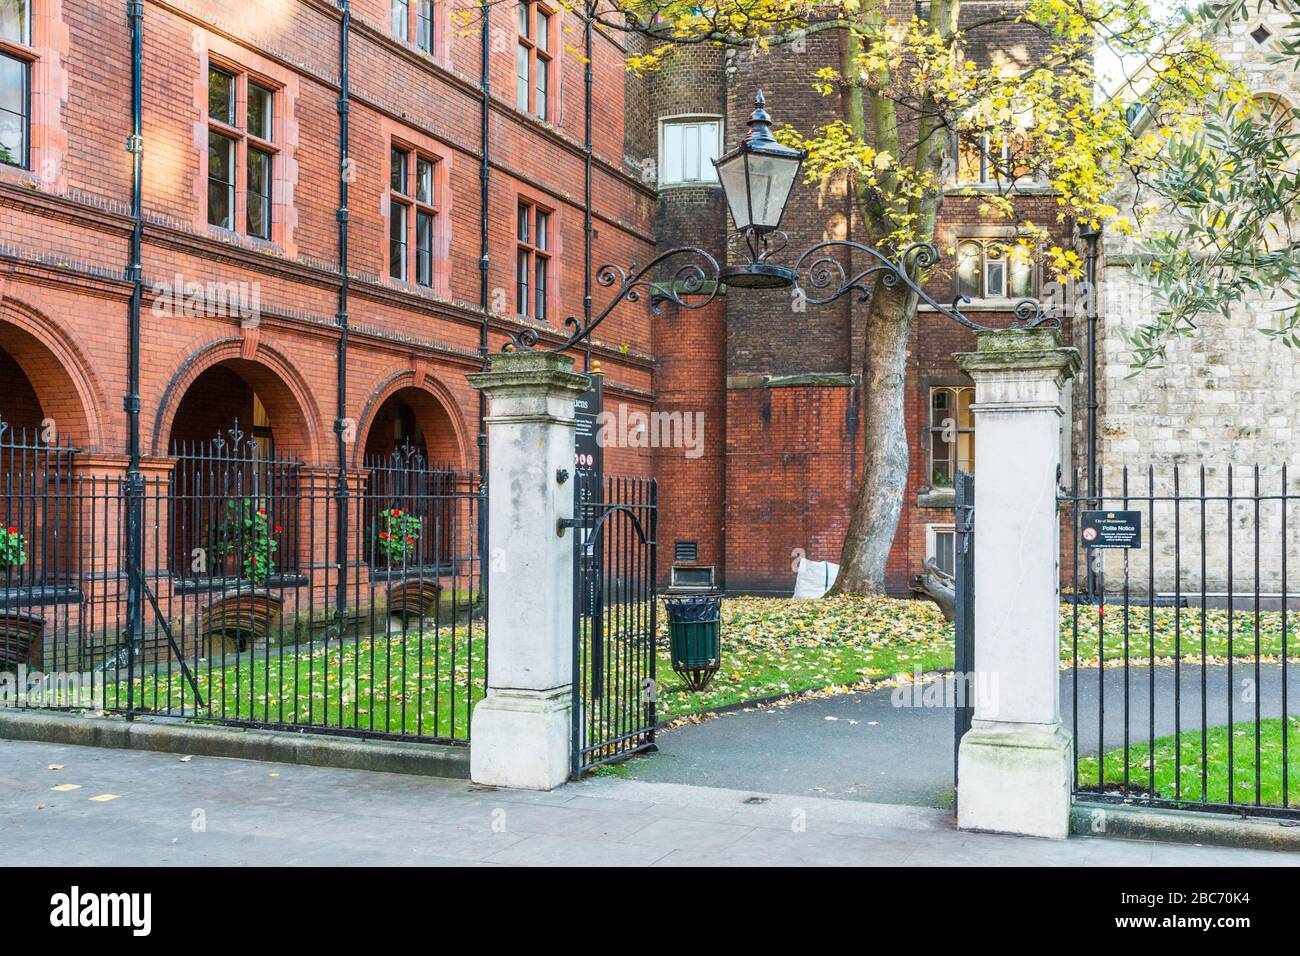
757, 178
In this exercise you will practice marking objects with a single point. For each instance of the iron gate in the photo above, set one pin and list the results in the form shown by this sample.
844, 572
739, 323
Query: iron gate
615, 617
1180, 642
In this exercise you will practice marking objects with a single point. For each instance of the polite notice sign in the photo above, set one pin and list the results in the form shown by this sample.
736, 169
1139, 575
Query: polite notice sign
1111, 529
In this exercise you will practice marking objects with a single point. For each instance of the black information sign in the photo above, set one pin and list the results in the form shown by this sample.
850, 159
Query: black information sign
590, 456
589, 472
1111, 529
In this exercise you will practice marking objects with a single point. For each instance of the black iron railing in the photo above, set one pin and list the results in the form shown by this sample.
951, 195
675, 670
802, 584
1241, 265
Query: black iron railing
37, 485
241, 572
1182, 646
228, 496
404, 491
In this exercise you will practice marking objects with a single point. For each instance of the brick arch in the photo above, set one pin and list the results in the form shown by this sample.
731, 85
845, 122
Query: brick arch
64, 386
436, 410
283, 390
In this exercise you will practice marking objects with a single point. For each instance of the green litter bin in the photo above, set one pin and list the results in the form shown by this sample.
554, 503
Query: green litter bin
694, 638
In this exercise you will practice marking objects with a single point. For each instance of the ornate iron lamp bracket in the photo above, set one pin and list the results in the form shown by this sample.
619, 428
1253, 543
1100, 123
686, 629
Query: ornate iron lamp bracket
693, 285
821, 277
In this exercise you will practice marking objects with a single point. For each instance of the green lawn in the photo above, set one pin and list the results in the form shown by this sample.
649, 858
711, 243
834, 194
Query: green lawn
383, 684
1175, 632
1168, 775
770, 647
776, 646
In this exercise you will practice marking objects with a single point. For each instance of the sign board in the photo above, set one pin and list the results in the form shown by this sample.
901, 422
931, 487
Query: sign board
1111, 529
588, 487
590, 457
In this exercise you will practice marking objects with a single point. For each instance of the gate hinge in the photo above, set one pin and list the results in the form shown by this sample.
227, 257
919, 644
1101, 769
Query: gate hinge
563, 524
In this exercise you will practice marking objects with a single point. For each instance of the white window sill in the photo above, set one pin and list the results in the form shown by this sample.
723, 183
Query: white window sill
692, 183
940, 497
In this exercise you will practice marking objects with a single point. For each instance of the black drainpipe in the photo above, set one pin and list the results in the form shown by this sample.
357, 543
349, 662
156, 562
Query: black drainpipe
484, 175
586, 201
134, 274
340, 421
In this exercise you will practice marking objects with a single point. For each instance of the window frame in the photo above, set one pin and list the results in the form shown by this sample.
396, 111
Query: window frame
932, 533
991, 171
535, 48
1008, 251
532, 264
954, 460
412, 18
244, 141
413, 207
691, 119
23, 52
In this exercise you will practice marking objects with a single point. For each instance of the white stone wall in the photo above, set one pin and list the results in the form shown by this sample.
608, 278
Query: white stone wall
1228, 396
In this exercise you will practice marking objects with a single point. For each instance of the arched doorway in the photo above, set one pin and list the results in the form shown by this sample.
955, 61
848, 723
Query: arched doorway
238, 438
411, 456
44, 421
414, 418
37, 458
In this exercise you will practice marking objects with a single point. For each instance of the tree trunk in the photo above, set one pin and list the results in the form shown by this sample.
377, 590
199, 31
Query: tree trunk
879, 503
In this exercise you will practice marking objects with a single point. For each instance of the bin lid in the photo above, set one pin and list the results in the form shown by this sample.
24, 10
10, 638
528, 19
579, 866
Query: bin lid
695, 609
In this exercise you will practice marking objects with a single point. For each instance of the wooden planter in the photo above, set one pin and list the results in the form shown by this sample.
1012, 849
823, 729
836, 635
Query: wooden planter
20, 640
412, 600
241, 619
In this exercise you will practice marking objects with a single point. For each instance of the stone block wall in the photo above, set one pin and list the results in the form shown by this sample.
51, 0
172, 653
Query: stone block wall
1225, 398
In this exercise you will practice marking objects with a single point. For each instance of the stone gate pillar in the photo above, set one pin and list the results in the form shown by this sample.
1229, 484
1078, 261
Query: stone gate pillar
520, 734
1016, 763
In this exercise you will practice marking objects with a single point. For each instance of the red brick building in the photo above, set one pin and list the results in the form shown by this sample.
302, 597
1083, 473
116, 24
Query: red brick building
241, 206
778, 379
246, 300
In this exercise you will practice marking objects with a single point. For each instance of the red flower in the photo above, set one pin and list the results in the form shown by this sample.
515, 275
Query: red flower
13, 530
383, 535
410, 540
253, 558
278, 529
397, 512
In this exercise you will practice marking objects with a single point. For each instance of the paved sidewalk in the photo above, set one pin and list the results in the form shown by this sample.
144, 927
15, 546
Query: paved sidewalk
861, 747
109, 807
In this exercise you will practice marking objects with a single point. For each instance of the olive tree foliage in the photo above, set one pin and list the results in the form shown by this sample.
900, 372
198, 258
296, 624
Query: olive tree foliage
1215, 213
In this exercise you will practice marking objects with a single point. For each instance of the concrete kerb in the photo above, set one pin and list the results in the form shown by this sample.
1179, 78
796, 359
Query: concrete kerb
169, 736
1127, 822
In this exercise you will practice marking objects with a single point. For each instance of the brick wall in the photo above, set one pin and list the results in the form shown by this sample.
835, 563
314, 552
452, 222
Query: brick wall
64, 305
